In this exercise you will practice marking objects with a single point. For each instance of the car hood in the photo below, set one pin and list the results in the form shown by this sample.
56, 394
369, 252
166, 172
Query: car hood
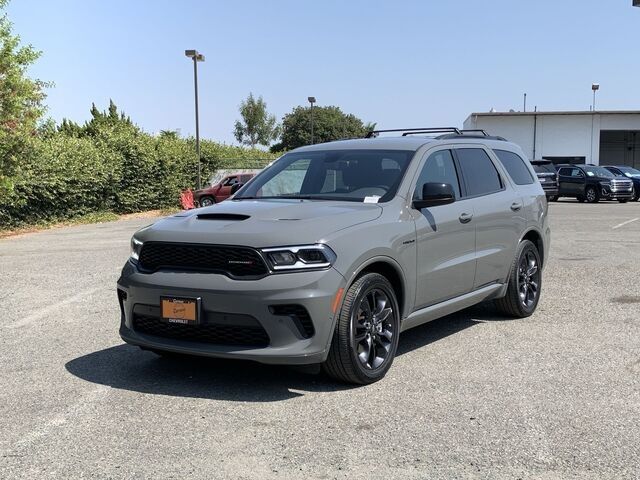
261, 223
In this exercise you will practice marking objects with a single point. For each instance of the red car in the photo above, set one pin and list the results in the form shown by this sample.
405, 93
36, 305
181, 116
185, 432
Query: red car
221, 190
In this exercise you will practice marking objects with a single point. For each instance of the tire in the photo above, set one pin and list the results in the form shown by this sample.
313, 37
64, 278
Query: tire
591, 195
522, 278
362, 351
552, 198
580, 198
623, 200
206, 201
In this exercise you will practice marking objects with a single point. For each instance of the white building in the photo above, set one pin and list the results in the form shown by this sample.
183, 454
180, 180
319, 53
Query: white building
600, 137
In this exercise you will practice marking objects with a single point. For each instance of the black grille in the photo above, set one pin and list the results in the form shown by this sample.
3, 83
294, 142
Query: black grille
233, 261
219, 334
299, 315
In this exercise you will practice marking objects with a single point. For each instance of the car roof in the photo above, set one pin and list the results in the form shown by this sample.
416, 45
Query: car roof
412, 142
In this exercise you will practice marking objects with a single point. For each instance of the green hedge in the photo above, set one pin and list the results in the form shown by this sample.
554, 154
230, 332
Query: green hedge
62, 176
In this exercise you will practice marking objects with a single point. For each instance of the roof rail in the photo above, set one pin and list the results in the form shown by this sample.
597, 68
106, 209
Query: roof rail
471, 133
475, 130
413, 131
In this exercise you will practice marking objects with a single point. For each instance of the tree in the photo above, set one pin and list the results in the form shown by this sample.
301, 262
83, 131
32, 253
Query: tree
169, 134
21, 99
257, 126
329, 123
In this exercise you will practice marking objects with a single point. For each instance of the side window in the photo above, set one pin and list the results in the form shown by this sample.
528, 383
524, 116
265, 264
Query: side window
575, 172
230, 181
439, 168
480, 175
515, 166
564, 172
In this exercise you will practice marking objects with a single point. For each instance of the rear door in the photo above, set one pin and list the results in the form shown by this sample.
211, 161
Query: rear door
445, 236
499, 213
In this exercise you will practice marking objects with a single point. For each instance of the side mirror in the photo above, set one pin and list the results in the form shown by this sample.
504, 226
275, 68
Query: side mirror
235, 187
434, 194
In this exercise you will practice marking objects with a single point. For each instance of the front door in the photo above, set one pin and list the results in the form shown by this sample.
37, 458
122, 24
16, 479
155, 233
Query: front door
571, 181
445, 237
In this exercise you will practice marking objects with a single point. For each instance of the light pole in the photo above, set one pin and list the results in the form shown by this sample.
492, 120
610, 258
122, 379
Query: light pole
595, 87
312, 100
196, 57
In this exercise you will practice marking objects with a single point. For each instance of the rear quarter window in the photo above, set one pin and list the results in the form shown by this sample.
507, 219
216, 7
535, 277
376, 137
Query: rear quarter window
516, 167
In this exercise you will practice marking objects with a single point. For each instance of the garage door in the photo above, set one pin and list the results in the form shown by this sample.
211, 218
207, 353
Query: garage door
620, 147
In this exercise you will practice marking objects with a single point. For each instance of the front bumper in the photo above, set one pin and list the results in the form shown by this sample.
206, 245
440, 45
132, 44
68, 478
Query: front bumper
610, 193
224, 298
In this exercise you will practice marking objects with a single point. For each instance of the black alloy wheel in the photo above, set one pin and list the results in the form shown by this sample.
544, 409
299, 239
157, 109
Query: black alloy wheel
365, 339
525, 283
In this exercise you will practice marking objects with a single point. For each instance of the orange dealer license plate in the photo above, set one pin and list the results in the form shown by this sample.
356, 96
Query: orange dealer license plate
185, 311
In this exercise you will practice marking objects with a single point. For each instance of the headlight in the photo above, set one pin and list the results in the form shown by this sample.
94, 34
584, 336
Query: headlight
304, 257
136, 247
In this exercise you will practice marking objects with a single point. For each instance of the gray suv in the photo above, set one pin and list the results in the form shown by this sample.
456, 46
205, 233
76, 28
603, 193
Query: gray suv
334, 249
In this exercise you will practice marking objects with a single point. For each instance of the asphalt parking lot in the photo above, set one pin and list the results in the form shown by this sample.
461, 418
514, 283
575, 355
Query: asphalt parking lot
473, 395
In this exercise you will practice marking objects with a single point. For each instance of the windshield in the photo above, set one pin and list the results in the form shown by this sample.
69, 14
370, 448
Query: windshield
353, 175
598, 172
630, 172
544, 168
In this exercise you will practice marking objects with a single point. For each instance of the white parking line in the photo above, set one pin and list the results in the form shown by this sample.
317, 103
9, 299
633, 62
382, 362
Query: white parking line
625, 223
51, 308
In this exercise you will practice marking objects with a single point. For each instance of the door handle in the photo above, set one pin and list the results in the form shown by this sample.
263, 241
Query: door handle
465, 217
515, 206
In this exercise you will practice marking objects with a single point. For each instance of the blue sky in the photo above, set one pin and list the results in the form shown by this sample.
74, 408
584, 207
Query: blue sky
400, 64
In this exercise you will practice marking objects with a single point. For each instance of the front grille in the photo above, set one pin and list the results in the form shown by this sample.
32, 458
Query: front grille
212, 333
299, 315
237, 262
618, 186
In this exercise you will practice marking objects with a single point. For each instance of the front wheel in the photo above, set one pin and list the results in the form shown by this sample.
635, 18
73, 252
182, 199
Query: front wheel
591, 195
525, 282
366, 336
206, 201
552, 198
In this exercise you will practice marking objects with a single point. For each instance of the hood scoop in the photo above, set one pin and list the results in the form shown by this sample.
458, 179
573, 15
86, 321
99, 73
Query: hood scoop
222, 216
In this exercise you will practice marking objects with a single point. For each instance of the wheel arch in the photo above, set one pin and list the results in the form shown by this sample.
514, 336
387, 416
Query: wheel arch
536, 238
392, 271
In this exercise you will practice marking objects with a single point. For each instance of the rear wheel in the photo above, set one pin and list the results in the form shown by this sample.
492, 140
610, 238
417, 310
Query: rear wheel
591, 195
525, 282
366, 336
623, 200
553, 198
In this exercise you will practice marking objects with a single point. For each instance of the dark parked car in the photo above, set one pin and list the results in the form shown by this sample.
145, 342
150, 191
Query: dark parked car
592, 183
629, 172
221, 190
547, 176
